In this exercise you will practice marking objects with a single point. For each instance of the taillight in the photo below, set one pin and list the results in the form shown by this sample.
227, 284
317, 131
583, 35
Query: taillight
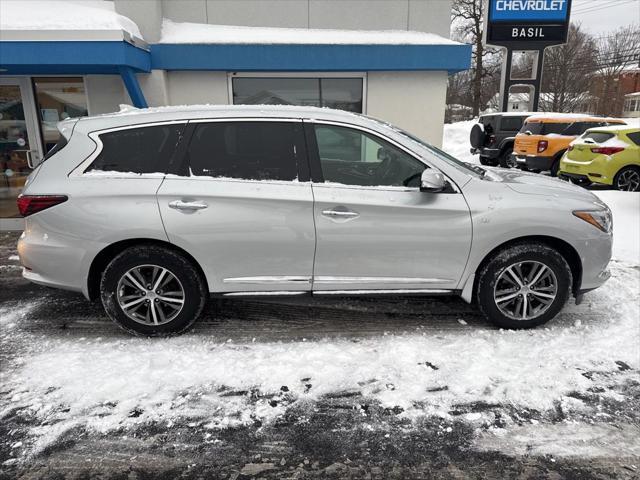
30, 204
542, 145
607, 150
492, 138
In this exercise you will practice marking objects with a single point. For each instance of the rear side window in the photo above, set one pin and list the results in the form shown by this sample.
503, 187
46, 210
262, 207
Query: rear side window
598, 137
511, 124
535, 128
247, 150
578, 128
138, 150
634, 137
556, 129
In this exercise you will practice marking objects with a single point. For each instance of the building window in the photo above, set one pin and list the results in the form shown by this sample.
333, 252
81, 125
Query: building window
58, 98
340, 93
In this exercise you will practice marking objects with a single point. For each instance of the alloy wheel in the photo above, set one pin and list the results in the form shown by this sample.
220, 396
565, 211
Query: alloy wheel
629, 181
150, 295
525, 290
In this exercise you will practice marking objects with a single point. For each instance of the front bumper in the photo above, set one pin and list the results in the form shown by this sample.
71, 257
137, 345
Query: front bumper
532, 162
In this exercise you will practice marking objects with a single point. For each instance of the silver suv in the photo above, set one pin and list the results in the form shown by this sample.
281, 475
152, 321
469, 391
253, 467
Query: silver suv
153, 210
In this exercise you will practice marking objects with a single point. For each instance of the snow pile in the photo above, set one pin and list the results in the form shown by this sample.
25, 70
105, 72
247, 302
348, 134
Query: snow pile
173, 32
455, 140
626, 223
64, 15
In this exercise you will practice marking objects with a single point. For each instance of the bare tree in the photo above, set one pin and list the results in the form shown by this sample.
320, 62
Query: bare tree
468, 19
568, 71
615, 53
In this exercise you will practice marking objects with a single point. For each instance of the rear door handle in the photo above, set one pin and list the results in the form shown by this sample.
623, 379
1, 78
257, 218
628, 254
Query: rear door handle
180, 205
340, 213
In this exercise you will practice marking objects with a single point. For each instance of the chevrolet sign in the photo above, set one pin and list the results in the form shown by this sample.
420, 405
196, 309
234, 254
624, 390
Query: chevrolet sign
529, 10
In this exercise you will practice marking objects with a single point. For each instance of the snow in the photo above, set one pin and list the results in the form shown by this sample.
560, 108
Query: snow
173, 32
626, 223
455, 140
64, 15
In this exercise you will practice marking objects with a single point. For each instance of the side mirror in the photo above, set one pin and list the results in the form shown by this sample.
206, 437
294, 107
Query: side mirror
432, 181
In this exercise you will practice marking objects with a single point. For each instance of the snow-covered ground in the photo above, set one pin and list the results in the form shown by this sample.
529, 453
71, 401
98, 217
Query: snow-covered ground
564, 390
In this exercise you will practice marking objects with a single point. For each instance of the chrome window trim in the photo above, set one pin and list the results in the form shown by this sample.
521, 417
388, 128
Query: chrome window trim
385, 138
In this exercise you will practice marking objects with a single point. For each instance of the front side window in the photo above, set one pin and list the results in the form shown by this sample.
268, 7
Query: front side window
353, 157
138, 150
247, 150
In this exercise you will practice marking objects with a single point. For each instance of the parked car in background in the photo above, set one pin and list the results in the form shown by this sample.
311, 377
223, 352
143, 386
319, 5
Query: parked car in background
152, 211
604, 155
544, 138
493, 136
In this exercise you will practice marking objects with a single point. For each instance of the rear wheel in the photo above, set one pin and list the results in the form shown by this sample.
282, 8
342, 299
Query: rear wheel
152, 291
627, 179
507, 160
523, 286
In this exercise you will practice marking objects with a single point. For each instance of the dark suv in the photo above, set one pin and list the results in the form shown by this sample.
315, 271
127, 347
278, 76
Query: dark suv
493, 136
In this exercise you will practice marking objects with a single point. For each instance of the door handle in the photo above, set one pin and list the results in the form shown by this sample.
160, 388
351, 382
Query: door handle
180, 205
340, 213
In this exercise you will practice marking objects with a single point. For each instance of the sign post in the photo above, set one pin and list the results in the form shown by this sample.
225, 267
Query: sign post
527, 26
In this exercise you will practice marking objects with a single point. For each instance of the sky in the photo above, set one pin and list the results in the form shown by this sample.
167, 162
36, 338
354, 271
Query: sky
602, 16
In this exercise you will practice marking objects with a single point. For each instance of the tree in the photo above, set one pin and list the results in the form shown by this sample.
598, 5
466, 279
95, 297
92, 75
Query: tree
568, 71
615, 53
468, 20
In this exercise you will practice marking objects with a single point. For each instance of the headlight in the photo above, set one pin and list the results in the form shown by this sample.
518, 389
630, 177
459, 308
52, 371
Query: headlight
601, 219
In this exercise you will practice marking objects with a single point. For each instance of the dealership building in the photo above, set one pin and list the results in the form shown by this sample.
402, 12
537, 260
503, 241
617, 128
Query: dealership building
386, 58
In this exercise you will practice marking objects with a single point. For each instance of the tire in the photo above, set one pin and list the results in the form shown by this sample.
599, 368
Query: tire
627, 179
477, 136
169, 312
505, 160
556, 164
496, 282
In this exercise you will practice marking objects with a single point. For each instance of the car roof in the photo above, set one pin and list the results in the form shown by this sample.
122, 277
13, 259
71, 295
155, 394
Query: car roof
135, 116
572, 117
615, 129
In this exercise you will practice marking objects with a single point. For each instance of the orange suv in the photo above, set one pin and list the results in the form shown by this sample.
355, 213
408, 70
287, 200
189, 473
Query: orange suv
544, 138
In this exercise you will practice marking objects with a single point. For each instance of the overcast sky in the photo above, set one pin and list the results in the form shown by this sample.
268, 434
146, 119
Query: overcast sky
602, 16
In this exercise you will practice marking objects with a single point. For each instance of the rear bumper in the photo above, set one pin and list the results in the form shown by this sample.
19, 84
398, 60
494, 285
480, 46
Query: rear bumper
533, 162
487, 152
596, 171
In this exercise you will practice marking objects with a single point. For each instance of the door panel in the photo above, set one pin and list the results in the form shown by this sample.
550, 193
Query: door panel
375, 230
251, 235
399, 239
239, 209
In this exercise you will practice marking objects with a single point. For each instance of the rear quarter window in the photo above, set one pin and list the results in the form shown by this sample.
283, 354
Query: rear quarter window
634, 137
138, 150
535, 128
598, 137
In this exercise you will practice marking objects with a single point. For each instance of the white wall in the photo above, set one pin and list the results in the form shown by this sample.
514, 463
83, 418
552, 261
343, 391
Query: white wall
424, 15
414, 101
188, 88
105, 93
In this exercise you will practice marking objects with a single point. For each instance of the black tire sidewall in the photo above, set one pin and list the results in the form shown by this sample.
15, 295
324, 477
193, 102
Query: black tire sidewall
620, 172
504, 158
520, 253
477, 136
189, 277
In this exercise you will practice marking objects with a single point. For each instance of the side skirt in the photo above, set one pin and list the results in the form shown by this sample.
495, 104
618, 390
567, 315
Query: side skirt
424, 292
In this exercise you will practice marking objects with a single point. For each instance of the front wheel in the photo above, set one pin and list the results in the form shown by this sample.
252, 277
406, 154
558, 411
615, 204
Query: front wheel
523, 286
628, 179
152, 291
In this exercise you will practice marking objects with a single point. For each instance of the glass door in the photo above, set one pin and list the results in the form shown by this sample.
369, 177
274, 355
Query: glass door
20, 146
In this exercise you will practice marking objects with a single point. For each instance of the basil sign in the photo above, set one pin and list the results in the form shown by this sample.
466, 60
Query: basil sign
525, 23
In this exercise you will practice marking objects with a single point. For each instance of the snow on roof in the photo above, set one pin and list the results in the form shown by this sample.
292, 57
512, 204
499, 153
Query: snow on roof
225, 34
568, 116
64, 15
